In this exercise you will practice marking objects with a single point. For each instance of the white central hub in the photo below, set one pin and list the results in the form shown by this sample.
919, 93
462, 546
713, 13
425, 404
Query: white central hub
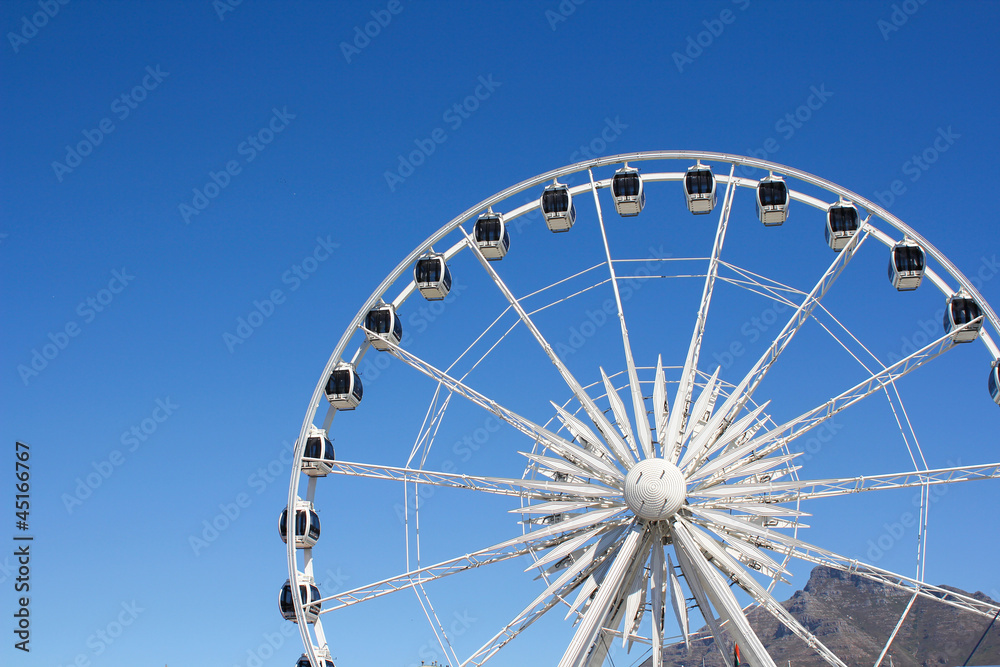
654, 489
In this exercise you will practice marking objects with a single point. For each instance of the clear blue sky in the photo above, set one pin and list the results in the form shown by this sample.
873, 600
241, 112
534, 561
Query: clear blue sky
115, 113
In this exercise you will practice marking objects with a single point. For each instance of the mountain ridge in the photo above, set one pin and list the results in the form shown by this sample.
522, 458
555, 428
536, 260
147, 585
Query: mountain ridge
854, 617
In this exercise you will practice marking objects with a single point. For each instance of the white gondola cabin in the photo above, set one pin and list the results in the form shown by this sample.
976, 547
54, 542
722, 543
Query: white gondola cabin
772, 200
699, 189
343, 388
906, 265
558, 207
994, 382
432, 276
960, 310
307, 528
384, 326
626, 186
491, 235
319, 448
308, 593
842, 224
324, 659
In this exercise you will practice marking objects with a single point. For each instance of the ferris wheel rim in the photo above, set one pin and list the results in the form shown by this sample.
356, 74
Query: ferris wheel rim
504, 195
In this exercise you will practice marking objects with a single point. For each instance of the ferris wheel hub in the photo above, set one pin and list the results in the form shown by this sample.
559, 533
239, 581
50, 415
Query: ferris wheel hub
654, 489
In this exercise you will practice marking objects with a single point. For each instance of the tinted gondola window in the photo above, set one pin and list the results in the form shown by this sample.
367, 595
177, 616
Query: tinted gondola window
626, 185
378, 321
314, 447
964, 310
843, 219
429, 270
699, 182
772, 194
995, 384
339, 383
488, 229
909, 258
313, 525
555, 201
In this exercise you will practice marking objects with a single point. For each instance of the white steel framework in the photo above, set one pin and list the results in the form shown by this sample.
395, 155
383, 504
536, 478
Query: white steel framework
734, 498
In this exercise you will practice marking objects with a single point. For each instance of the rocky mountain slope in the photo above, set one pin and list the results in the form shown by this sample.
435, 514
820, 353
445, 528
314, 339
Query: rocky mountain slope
854, 617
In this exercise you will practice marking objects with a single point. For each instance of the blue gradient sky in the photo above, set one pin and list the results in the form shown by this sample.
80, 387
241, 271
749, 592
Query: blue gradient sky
114, 258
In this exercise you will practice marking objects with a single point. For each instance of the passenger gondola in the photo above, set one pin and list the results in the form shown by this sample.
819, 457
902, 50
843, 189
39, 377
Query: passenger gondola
384, 326
344, 389
841, 224
772, 200
308, 593
432, 276
906, 265
994, 383
324, 660
699, 189
319, 447
626, 186
307, 528
558, 207
491, 235
960, 310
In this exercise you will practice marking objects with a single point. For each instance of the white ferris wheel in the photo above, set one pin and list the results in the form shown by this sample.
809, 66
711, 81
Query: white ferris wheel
641, 468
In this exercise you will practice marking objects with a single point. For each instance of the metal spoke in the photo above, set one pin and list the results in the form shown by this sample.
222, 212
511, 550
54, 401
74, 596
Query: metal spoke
795, 490
722, 597
671, 446
776, 438
600, 421
638, 404
519, 488
786, 545
716, 554
494, 554
600, 467
700, 597
555, 593
745, 389
589, 628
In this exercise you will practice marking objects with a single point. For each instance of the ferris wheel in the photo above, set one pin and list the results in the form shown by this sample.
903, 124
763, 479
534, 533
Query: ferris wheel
556, 362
